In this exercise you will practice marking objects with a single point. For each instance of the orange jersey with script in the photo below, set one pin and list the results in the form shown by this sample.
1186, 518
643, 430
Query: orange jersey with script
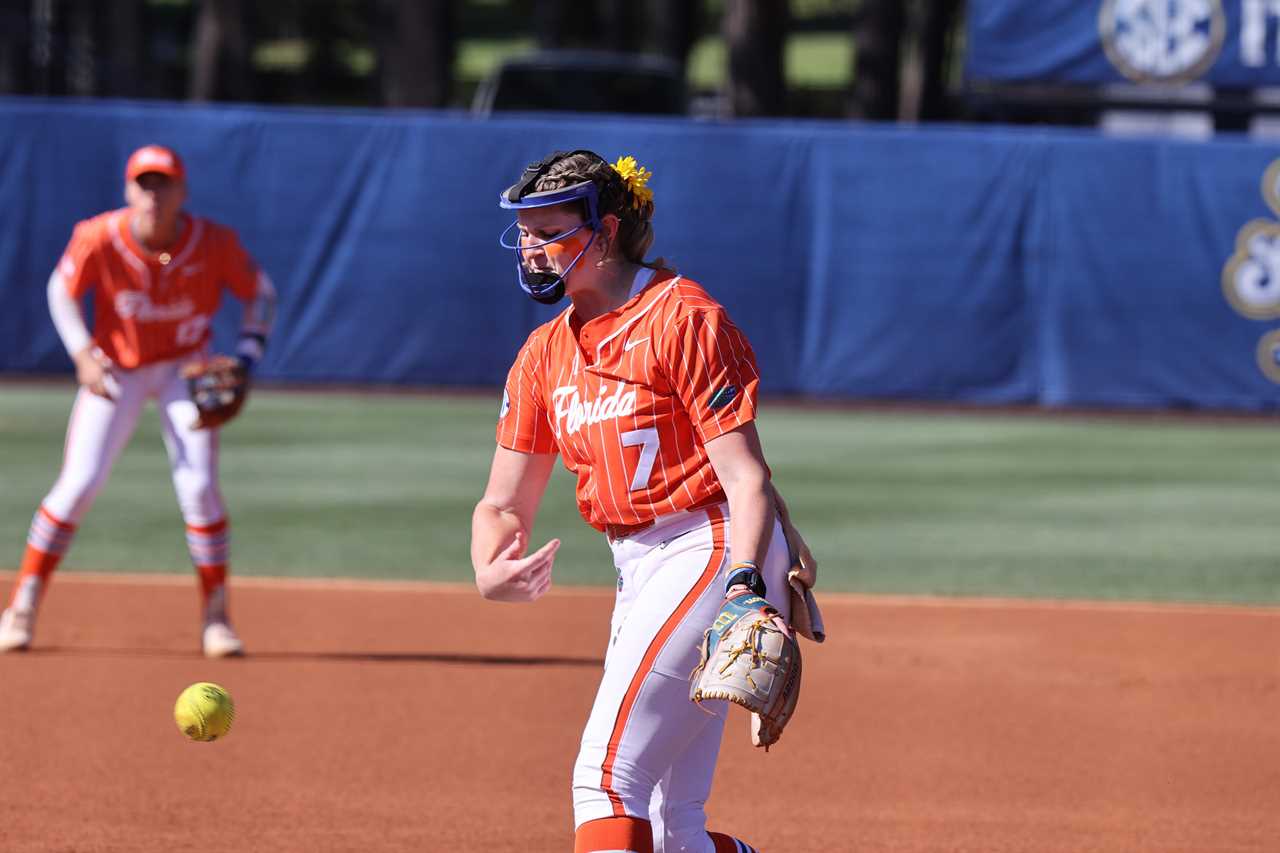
630, 399
154, 306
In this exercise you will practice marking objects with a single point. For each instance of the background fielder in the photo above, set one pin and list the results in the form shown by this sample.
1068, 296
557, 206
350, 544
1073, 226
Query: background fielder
157, 275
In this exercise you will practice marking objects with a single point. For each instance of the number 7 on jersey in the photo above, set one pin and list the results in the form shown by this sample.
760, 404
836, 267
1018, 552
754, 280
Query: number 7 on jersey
647, 440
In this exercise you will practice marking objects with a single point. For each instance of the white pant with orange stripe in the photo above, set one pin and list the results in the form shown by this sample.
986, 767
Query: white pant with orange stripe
99, 429
647, 751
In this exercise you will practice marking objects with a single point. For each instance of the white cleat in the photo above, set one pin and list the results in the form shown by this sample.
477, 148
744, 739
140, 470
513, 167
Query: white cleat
220, 641
16, 629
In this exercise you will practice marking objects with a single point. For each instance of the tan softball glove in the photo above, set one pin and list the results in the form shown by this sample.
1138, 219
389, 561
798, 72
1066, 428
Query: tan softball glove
748, 660
218, 387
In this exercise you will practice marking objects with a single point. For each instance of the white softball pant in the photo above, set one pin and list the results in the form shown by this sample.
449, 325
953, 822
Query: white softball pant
99, 429
647, 751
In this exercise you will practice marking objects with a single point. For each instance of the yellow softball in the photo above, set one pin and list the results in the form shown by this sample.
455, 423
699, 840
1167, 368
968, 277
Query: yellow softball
204, 711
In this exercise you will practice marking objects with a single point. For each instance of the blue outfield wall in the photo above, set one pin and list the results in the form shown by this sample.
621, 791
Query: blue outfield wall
988, 265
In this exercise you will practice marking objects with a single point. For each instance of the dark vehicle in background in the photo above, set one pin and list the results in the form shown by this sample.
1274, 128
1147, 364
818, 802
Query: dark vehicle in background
584, 81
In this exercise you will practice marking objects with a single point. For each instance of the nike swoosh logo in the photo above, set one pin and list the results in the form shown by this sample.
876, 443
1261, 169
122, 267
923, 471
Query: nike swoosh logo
630, 345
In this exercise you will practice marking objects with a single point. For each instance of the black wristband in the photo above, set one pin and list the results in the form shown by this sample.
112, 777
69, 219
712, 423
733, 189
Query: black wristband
746, 573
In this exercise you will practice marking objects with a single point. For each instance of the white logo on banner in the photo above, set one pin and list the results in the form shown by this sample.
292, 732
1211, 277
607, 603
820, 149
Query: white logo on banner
1256, 18
1162, 40
1251, 276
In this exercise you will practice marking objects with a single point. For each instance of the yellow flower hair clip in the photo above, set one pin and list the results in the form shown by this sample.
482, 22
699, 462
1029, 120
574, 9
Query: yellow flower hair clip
636, 177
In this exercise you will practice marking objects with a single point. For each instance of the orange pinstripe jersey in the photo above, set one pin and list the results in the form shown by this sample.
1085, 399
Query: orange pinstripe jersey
151, 307
630, 399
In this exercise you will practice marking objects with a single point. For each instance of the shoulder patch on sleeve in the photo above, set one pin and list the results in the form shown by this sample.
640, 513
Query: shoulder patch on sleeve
723, 397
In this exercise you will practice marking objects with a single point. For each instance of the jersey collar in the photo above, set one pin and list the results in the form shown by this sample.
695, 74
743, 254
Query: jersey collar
591, 337
165, 257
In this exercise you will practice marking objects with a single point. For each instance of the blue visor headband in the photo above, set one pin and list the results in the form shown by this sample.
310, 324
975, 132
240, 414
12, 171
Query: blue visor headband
585, 191
547, 287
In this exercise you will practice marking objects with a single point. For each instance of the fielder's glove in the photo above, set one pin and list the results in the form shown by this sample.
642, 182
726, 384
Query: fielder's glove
747, 660
218, 387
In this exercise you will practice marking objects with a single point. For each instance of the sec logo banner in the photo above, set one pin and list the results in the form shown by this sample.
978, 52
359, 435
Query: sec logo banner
1170, 41
1251, 276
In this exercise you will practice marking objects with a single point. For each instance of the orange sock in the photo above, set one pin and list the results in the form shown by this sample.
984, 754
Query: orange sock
210, 547
213, 593
212, 578
33, 578
39, 563
728, 844
614, 833
47, 540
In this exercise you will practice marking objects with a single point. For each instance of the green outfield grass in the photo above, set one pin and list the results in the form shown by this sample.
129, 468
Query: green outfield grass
382, 486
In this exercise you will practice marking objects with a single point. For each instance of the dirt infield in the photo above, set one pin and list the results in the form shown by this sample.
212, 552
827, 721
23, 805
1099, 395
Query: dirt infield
398, 717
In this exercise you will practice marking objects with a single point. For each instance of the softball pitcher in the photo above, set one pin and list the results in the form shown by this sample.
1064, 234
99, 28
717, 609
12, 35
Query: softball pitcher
647, 391
157, 276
